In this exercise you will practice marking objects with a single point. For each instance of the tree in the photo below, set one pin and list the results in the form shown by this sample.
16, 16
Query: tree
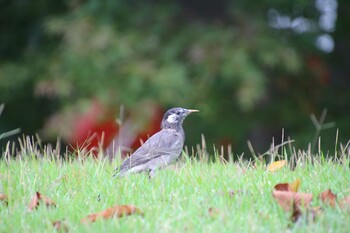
248, 79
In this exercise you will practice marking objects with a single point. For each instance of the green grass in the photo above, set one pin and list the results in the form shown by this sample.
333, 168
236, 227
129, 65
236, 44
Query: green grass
176, 200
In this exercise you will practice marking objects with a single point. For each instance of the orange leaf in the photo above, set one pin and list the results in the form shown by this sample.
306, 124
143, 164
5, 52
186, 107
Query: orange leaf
291, 187
213, 211
328, 198
314, 212
48, 202
286, 199
345, 202
295, 185
3, 198
231, 193
309, 216
60, 226
296, 213
282, 187
35, 201
116, 211
276, 165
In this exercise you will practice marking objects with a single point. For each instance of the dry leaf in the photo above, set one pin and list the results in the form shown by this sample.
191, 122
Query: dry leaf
213, 212
283, 187
345, 202
310, 215
231, 193
116, 211
286, 199
60, 226
296, 214
48, 202
276, 165
37, 198
34, 202
3, 198
328, 198
293, 187
314, 212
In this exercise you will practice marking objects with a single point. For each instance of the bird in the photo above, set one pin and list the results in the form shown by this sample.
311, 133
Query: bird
161, 149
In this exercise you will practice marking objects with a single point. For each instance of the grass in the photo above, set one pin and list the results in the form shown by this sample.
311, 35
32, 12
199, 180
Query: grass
178, 199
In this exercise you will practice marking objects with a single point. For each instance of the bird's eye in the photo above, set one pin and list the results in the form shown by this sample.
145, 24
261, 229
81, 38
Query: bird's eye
178, 113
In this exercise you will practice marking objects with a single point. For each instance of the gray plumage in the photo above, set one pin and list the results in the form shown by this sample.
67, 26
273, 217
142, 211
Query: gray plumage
160, 150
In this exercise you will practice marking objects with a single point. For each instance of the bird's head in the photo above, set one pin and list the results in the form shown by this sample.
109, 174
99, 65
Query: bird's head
175, 116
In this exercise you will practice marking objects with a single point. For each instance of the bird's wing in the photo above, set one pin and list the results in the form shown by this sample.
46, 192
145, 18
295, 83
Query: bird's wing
165, 142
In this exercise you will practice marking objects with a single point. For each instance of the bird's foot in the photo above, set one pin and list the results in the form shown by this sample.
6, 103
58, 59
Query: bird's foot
151, 173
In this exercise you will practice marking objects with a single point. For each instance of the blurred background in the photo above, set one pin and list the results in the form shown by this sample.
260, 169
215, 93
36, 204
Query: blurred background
74, 69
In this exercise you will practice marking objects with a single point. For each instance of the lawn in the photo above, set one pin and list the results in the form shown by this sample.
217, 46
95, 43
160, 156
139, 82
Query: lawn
190, 196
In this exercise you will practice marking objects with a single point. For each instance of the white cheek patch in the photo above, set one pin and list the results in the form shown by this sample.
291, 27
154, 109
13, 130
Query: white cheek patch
171, 118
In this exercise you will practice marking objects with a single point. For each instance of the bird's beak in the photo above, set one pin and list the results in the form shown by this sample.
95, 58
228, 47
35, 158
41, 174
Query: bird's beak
189, 111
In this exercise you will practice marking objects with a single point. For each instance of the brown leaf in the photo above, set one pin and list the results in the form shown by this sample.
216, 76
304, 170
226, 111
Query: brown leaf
116, 211
231, 193
290, 187
296, 213
328, 198
60, 226
345, 202
283, 187
277, 165
310, 214
295, 185
35, 201
286, 199
48, 202
313, 213
3, 197
213, 212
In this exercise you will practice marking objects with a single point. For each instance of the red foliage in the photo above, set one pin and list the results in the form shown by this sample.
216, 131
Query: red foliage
97, 128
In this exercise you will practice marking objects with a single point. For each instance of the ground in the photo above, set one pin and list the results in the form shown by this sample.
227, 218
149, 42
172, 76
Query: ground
190, 196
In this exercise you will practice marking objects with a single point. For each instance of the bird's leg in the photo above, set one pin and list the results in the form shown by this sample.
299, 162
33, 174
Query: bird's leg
151, 173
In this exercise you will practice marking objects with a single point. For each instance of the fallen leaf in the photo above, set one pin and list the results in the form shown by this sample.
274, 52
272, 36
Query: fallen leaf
290, 187
309, 215
231, 193
283, 187
60, 226
328, 198
295, 185
3, 198
48, 202
213, 212
345, 202
313, 213
296, 213
263, 215
286, 199
116, 211
35, 201
274, 166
